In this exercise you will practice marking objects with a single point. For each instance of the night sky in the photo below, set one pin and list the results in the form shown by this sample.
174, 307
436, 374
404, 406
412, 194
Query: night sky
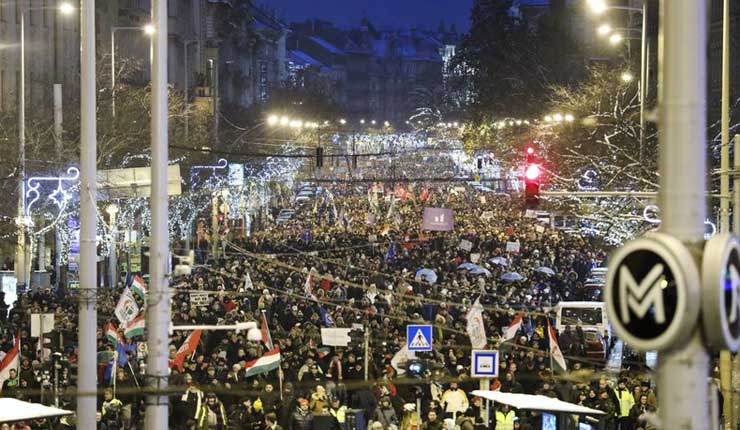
384, 14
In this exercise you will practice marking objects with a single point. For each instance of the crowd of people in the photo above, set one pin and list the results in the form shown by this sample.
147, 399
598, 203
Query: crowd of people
349, 258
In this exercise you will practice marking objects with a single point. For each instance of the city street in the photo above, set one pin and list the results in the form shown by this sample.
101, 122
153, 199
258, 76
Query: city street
367, 215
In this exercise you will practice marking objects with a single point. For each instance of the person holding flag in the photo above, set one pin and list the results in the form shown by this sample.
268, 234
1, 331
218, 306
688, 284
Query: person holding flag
557, 360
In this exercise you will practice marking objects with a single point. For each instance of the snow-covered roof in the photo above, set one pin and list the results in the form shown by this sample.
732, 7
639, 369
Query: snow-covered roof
302, 58
535, 403
12, 410
326, 45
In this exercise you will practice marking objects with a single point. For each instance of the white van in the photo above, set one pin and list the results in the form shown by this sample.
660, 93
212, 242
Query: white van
590, 315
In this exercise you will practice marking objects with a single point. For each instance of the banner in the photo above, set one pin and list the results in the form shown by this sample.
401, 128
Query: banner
41, 323
335, 336
438, 219
199, 299
465, 245
475, 327
127, 308
512, 247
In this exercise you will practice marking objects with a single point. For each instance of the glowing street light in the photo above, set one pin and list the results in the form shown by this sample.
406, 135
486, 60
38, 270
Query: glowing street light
149, 29
273, 120
627, 77
343, 121
597, 6
66, 8
569, 118
362, 121
615, 38
548, 118
373, 122
387, 124
558, 117
604, 29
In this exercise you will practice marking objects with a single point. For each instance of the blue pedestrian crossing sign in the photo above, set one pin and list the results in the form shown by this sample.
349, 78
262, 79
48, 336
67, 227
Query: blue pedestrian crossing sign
419, 337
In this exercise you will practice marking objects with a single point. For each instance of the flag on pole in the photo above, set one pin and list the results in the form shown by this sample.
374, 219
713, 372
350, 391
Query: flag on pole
188, 347
557, 360
11, 360
326, 317
512, 329
111, 333
266, 337
307, 287
248, 282
127, 308
139, 287
268, 362
391, 253
135, 327
475, 327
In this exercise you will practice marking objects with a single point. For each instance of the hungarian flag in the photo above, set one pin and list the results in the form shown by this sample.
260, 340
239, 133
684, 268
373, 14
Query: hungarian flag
266, 337
268, 362
12, 360
307, 287
111, 333
512, 329
187, 348
135, 327
139, 287
557, 360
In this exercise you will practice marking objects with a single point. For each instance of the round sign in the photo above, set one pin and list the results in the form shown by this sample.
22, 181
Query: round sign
652, 293
721, 292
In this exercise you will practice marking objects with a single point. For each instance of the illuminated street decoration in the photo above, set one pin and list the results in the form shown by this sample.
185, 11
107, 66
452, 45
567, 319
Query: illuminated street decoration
221, 165
60, 196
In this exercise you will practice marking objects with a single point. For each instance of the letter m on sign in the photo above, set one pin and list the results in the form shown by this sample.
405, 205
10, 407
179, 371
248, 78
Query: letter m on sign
640, 297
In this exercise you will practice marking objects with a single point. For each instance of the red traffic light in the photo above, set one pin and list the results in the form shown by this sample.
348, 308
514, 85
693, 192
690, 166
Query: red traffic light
533, 172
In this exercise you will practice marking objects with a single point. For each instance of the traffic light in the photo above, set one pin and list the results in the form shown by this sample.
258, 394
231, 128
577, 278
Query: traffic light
532, 172
319, 157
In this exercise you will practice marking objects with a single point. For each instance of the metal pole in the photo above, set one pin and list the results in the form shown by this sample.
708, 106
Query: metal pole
643, 78
59, 149
113, 255
683, 402
367, 353
113, 70
736, 187
158, 314
725, 379
20, 254
214, 225
724, 181
88, 308
187, 96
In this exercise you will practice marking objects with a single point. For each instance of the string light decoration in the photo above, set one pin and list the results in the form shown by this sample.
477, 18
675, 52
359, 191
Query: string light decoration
60, 196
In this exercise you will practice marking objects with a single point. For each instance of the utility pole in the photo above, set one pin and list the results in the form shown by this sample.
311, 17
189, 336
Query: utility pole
158, 312
88, 305
684, 401
59, 148
643, 78
20, 253
367, 353
724, 181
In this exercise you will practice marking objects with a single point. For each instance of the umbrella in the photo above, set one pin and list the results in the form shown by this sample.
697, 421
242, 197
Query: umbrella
426, 274
512, 276
480, 271
474, 269
500, 261
545, 270
467, 266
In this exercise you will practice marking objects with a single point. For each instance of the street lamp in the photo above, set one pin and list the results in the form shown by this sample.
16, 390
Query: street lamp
627, 77
148, 30
22, 266
604, 29
343, 121
615, 38
272, 120
597, 6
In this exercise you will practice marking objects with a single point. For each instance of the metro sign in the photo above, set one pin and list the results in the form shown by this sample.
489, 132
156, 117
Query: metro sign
721, 292
652, 292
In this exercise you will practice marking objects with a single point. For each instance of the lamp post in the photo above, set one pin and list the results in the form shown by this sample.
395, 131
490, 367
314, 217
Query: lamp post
147, 29
598, 7
22, 257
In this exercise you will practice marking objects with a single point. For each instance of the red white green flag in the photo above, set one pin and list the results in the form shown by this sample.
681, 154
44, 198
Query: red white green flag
557, 360
268, 362
135, 327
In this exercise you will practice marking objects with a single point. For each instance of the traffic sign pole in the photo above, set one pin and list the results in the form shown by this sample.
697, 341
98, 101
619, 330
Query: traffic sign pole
683, 402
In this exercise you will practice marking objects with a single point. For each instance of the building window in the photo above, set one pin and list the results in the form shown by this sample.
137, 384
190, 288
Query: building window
45, 12
263, 81
172, 8
2, 90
